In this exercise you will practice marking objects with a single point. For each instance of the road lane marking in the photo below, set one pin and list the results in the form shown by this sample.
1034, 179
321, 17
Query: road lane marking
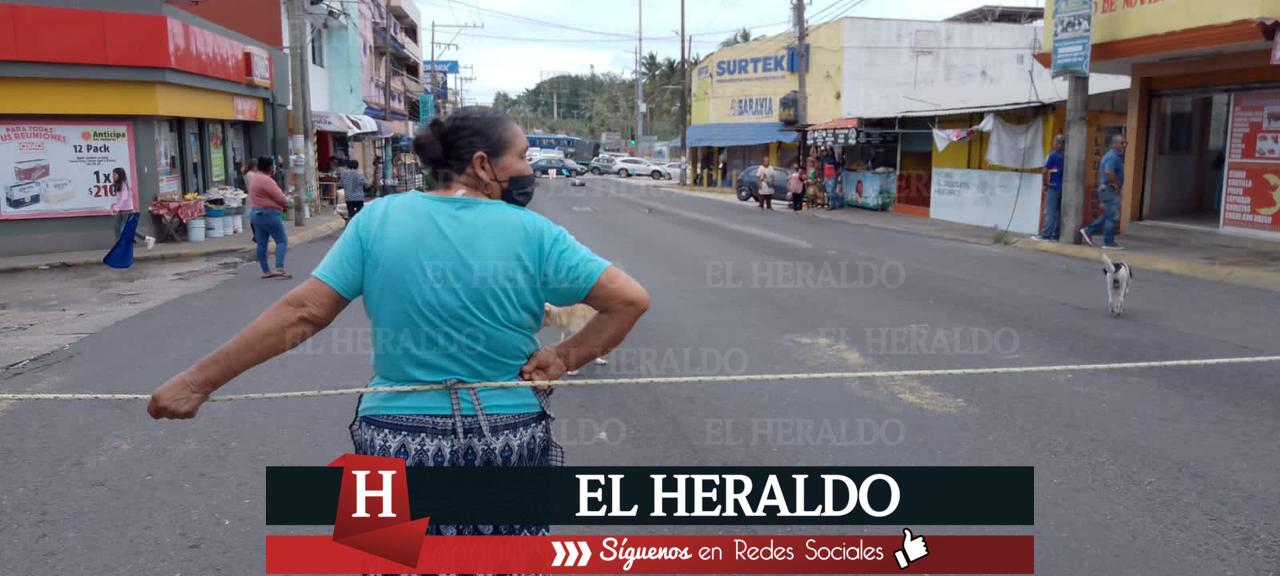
749, 230
823, 350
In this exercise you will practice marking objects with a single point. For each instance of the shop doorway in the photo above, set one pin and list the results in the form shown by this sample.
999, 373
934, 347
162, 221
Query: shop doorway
1185, 160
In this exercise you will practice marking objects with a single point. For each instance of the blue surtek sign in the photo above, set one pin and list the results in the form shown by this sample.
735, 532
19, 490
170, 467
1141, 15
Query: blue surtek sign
756, 65
753, 107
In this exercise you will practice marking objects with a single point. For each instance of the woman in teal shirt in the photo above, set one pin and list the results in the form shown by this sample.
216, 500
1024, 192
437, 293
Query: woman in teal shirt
454, 281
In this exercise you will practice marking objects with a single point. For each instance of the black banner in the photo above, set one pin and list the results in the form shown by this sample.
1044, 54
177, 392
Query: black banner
997, 496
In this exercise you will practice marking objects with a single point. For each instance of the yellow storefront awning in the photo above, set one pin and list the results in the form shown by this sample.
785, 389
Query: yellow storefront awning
54, 96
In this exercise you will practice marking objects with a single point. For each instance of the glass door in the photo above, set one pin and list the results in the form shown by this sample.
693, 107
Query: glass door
1185, 159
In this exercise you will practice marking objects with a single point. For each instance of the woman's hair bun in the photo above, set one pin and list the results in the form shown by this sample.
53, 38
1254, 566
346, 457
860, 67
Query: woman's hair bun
447, 146
429, 145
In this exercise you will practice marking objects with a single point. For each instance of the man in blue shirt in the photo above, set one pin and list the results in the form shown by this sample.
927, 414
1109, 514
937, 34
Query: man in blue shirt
1053, 167
352, 183
1109, 192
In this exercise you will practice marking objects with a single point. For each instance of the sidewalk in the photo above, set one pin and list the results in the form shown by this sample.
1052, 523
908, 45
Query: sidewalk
1204, 254
319, 226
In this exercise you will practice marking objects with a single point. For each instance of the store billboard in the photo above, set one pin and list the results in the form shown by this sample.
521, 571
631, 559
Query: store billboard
745, 83
1251, 198
1125, 19
51, 169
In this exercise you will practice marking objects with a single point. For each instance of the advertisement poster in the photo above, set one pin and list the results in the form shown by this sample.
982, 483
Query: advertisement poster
217, 155
1072, 37
1251, 195
54, 169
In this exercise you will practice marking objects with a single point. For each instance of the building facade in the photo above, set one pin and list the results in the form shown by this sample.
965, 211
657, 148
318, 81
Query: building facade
174, 95
859, 69
1204, 145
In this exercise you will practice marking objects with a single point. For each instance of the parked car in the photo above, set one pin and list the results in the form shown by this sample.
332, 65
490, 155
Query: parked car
602, 164
632, 166
748, 185
544, 165
675, 169
575, 168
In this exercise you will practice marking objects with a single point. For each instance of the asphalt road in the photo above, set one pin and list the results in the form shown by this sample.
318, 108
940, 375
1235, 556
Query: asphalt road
1141, 472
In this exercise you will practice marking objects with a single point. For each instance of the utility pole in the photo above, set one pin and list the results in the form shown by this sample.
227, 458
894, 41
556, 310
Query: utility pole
388, 176
802, 62
684, 101
299, 79
1073, 184
435, 83
639, 73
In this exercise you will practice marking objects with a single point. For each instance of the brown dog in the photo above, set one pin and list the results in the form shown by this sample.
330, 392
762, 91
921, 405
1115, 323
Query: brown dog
570, 321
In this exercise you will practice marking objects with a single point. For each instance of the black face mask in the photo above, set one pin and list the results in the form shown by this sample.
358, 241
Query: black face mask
518, 191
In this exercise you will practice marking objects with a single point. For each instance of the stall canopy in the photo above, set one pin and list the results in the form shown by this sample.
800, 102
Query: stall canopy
738, 134
330, 122
839, 132
362, 124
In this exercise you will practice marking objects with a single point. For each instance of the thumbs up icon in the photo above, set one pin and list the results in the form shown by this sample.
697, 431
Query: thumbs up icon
912, 549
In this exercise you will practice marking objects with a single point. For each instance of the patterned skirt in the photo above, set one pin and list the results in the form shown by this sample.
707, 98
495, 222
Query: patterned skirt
456, 440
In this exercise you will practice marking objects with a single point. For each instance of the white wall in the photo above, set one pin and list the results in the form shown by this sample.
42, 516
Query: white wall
319, 76
987, 198
886, 62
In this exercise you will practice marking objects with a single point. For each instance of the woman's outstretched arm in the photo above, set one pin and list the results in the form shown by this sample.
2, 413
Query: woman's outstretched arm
293, 319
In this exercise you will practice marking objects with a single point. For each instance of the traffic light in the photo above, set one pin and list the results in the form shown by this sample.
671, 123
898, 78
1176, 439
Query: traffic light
633, 137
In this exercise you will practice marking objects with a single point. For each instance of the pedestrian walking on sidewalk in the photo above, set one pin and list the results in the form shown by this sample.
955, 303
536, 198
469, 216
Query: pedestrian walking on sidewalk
764, 184
1053, 167
480, 326
1109, 193
122, 208
795, 189
353, 184
267, 217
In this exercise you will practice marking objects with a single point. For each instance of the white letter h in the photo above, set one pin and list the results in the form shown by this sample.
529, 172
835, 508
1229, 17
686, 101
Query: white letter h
384, 493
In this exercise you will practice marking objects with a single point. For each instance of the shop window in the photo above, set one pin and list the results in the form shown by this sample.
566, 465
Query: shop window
1177, 126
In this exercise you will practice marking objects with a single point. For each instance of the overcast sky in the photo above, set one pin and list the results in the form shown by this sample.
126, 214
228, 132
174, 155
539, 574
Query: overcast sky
513, 50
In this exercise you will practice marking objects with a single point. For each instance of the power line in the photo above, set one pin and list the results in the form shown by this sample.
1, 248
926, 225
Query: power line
529, 20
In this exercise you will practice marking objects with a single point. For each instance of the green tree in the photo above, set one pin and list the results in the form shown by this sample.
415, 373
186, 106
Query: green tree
740, 37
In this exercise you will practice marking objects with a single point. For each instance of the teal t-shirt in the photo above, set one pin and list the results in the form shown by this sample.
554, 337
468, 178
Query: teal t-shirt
454, 288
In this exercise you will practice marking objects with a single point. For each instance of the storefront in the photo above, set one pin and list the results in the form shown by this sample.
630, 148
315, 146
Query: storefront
172, 121
1200, 128
741, 96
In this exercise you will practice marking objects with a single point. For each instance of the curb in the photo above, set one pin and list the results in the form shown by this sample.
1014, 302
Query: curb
303, 237
1140, 261
1211, 272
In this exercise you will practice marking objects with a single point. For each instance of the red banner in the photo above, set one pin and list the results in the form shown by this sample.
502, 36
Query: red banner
1252, 192
620, 554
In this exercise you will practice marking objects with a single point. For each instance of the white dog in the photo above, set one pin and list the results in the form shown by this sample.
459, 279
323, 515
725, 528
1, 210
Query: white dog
1119, 279
570, 321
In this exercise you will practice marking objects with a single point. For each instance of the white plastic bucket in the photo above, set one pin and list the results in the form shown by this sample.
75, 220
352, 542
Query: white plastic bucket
214, 225
228, 225
195, 230
237, 225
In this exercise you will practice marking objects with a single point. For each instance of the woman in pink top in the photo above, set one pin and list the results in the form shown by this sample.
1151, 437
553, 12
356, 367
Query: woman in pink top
267, 217
123, 206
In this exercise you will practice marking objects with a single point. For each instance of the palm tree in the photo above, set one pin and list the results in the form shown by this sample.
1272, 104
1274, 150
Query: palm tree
740, 37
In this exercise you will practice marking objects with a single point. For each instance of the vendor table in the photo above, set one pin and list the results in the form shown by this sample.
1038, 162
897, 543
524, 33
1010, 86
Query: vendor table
173, 215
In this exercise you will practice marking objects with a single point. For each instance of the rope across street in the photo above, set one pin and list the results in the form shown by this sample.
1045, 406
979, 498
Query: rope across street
935, 373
